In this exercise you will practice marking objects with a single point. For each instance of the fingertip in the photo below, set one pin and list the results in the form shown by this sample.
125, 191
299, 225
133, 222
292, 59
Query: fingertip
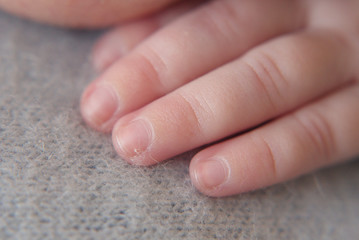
105, 53
210, 175
120, 41
99, 104
132, 141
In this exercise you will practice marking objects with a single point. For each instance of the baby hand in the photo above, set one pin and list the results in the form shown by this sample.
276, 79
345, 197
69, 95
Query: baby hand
270, 87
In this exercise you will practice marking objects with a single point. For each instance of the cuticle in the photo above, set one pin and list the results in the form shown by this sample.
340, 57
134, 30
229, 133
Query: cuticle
149, 128
117, 98
134, 159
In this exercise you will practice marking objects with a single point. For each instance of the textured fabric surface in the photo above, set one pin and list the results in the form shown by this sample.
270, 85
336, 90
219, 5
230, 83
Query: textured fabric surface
61, 180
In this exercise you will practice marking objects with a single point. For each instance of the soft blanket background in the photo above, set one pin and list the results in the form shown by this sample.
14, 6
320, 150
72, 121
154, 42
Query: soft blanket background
61, 180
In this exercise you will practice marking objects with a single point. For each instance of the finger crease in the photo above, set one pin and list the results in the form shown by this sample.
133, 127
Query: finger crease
194, 113
319, 131
157, 67
275, 69
272, 161
264, 86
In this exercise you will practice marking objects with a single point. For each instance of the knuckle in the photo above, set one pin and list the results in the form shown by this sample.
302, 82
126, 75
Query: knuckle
221, 17
268, 76
317, 132
153, 68
195, 112
271, 161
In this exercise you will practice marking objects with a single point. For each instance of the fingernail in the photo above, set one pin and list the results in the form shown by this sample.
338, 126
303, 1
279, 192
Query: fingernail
212, 173
102, 60
99, 107
134, 139
105, 55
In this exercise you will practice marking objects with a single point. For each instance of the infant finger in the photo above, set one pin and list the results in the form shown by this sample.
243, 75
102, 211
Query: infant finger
121, 40
270, 80
320, 134
193, 45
